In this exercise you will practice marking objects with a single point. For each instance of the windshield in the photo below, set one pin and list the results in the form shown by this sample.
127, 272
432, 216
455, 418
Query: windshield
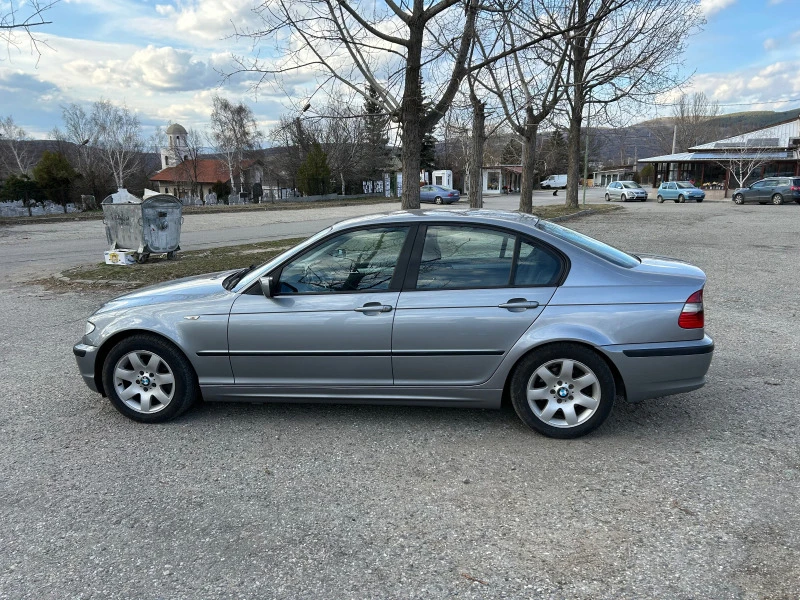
631, 185
598, 248
685, 185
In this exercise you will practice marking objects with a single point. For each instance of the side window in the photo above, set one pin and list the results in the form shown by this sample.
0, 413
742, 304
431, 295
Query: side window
759, 184
536, 266
362, 260
672, 186
465, 257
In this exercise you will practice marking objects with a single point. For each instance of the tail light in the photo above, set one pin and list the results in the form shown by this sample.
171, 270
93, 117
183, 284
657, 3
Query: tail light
692, 316
795, 188
451, 194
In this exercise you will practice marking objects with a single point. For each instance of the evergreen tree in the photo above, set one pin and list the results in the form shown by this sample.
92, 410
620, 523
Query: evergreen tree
555, 155
55, 175
427, 155
376, 138
314, 175
21, 187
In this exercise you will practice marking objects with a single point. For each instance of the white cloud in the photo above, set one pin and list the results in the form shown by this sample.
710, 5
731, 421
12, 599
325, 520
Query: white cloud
770, 44
709, 7
774, 87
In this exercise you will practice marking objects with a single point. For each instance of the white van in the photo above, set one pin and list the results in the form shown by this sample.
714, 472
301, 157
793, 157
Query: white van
554, 181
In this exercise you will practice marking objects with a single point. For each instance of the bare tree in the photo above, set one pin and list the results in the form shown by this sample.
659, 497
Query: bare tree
528, 84
15, 152
631, 53
693, 118
387, 46
20, 20
118, 136
234, 132
743, 157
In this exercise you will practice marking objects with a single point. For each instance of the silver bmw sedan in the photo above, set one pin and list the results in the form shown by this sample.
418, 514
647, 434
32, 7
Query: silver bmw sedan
444, 308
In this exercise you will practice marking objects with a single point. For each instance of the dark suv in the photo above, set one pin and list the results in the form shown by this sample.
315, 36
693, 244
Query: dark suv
772, 189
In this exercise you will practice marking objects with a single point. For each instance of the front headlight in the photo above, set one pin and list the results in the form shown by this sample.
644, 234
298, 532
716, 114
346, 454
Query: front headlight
89, 328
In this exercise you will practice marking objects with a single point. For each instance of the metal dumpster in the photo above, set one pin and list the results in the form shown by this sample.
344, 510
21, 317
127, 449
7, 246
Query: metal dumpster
149, 226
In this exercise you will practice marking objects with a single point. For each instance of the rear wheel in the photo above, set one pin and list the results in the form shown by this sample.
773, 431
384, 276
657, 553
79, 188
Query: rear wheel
438, 200
660, 199
562, 390
777, 199
148, 379
738, 199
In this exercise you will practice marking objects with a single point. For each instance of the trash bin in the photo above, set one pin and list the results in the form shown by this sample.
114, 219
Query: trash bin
149, 226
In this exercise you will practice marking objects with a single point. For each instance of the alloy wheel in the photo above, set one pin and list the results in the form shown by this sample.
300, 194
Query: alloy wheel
144, 381
563, 393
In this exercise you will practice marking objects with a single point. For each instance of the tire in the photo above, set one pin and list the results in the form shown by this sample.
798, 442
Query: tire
699, 200
608, 198
143, 258
738, 199
681, 199
623, 198
124, 385
660, 199
777, 199
541, 376
438, 200
171, 255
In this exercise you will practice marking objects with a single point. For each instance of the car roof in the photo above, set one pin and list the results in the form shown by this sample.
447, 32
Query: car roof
469, 216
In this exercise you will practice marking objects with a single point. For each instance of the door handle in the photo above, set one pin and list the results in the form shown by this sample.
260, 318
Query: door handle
520, 303
373, 307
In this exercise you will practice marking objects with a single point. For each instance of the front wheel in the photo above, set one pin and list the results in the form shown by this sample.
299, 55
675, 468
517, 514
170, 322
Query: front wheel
777, 199
148, 379
660, 199
738, 199
623, 197
438, 200
562, 390
608, 198
681, 199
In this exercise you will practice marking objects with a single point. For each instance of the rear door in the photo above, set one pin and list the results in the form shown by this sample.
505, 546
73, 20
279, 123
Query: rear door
470, 293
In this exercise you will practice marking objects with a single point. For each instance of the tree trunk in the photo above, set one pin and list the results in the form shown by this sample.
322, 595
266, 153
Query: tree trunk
528, 168
574, 149
341, 174
411, 116
476, 161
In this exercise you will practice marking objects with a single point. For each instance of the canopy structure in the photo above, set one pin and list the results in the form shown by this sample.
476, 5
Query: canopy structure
764, 152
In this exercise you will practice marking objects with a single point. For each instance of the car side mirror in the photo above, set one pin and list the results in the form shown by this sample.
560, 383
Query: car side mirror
267, 286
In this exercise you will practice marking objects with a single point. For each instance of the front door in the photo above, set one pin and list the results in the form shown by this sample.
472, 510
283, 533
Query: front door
474, 293
330, 319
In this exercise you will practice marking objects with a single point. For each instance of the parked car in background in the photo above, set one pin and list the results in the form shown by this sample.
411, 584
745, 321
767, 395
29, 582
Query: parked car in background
554, 182
625, 190
438, 194
776, 190
679, 191
438, 308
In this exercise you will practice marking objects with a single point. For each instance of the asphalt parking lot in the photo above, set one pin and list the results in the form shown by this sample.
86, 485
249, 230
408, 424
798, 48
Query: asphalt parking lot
690, 496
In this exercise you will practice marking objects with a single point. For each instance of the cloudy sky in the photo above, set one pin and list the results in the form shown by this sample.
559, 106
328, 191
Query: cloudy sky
163, 59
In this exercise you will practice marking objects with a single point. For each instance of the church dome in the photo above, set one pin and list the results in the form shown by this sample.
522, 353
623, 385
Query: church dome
176, 129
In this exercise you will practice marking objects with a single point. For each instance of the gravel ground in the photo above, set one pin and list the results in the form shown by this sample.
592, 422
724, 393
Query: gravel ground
690, 496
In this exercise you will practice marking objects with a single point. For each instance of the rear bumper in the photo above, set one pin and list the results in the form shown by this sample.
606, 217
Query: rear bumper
653, 370
85, 356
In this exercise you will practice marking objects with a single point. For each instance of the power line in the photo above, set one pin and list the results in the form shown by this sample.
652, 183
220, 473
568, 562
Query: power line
740, 103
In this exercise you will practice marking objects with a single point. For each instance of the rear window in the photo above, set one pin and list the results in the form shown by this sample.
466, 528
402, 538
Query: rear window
591, 245
795, 182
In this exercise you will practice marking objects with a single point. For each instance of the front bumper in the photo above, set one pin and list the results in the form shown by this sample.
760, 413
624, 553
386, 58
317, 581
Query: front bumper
86, 356
654, 370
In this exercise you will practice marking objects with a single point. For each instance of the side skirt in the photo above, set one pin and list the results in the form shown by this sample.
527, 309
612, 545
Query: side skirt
406, 396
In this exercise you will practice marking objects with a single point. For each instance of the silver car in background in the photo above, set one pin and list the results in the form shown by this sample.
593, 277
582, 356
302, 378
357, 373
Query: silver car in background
444, 308
625, 190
